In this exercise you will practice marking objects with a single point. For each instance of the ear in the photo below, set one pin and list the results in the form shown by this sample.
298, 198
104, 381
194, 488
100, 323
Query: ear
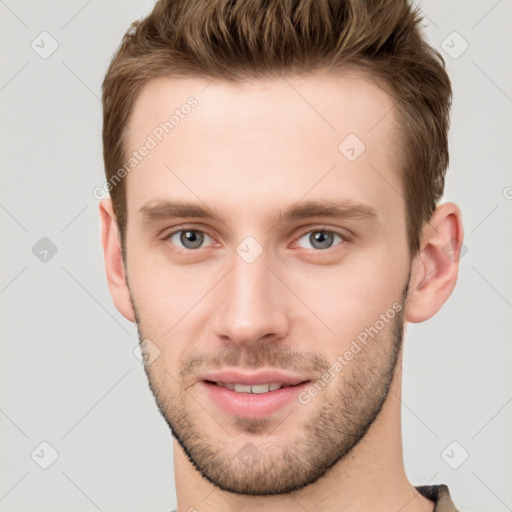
435, 268
114, 265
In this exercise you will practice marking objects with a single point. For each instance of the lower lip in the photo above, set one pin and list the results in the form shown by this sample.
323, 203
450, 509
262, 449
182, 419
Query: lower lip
252, 405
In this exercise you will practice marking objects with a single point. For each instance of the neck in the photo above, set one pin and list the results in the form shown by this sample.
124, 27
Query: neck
370, 477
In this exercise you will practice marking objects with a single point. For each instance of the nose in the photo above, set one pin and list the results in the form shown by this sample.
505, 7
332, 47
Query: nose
251, 303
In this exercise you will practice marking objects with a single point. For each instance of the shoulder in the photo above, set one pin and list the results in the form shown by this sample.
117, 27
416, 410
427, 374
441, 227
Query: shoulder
440, 495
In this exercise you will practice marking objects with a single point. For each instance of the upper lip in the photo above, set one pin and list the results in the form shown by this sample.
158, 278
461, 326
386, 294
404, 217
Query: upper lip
254, 378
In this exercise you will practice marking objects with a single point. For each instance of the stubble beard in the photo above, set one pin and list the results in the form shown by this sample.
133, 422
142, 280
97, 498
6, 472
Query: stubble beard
334, 422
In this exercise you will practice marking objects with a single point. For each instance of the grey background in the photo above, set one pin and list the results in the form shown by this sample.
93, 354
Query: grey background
69, 376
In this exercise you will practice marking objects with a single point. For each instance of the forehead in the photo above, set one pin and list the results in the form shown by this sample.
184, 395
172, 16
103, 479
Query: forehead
331, 105
281, 134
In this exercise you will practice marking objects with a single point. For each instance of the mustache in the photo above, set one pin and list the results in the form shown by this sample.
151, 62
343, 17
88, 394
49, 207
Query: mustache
270, 355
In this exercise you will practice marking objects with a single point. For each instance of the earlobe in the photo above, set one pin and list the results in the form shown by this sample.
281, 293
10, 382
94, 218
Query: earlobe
435, 268
114, 265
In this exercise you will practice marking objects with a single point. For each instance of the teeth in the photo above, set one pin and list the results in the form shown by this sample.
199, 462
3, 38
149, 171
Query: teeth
242, 388
257, 388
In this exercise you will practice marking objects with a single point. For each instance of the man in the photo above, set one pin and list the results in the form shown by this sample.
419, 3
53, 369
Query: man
274, 171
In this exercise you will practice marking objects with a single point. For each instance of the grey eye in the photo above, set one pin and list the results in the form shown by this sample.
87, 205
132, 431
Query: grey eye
319, 239
189, 238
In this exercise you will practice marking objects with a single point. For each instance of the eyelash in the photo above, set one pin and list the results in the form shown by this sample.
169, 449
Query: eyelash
324, 229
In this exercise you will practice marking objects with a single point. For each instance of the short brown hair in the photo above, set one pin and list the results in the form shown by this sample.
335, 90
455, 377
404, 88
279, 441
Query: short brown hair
240, 40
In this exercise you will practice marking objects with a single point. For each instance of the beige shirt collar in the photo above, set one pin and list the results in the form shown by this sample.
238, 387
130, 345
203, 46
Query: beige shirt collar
440, 495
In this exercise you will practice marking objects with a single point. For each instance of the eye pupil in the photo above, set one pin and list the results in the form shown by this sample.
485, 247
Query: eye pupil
191, 239
321, 239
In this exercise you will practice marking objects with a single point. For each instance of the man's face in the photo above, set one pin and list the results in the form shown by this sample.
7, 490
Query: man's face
270, 288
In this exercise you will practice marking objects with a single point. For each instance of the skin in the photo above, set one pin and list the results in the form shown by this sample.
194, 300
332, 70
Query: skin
247, 152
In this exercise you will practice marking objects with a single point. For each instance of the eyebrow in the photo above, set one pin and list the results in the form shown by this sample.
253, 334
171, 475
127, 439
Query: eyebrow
342, 209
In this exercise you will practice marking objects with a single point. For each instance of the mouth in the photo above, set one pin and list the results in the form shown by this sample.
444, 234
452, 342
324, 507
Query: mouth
245, 400
256, 389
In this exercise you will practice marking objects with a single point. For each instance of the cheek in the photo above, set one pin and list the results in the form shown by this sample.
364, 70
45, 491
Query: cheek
165, 293
350, 297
